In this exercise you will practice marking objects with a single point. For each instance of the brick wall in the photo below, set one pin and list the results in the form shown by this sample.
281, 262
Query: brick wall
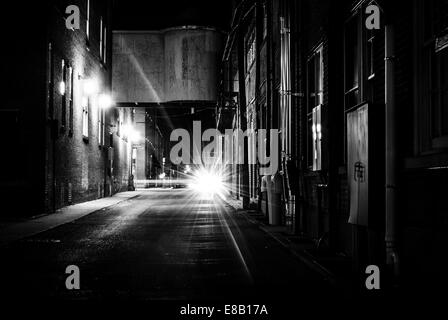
77, 164
58, 165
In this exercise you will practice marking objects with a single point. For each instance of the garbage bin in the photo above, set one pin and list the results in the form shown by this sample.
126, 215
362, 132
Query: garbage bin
264, 196
274, 203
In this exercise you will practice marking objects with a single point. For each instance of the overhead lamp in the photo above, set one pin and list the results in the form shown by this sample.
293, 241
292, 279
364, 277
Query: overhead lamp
105, 101
90, 86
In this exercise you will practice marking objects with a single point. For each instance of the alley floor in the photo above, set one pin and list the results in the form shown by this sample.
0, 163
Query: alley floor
162, 244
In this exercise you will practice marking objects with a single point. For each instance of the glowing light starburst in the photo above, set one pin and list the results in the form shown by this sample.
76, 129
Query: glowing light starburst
208, 183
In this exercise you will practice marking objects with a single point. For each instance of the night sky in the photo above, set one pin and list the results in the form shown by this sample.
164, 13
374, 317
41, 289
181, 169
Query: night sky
153, 15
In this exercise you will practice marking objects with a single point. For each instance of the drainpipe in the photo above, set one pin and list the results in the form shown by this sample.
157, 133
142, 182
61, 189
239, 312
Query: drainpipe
392, 259
244, 167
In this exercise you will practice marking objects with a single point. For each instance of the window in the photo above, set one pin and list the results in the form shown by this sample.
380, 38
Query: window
370, 54
62, 91
435, 74
101, 38
88, 19
70, 96
285, 86
351, 63
103, 41
315, 79
85, 116
119, 122
359, 60
315, 87
50, 77
105, 45
316, 137
250, 50
265, 21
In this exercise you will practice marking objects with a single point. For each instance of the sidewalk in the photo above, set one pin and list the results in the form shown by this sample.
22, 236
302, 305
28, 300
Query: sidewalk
10, 232
335, 268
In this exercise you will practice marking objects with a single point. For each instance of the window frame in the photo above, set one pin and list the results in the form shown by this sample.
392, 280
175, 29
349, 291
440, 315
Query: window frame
101, 39
250, 52
364, 58
355, 18
105, 45
429, 126
314, 105
71, 99
63, 95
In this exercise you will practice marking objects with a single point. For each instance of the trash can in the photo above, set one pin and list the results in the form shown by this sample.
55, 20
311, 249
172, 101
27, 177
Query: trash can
264, 196
274, 203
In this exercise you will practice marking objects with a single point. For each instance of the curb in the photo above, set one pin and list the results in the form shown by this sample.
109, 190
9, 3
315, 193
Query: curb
11, 239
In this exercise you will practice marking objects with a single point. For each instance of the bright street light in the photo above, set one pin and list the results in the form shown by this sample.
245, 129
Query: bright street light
90, 86
131, 133
105, 101
208, 183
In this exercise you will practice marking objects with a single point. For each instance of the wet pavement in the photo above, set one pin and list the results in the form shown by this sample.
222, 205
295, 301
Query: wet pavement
163, 244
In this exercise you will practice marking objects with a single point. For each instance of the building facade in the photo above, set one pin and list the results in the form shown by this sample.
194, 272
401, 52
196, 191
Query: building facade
171, 77
361, 117
66, 133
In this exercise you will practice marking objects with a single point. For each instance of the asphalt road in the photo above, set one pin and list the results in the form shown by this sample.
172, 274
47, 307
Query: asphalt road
163, 244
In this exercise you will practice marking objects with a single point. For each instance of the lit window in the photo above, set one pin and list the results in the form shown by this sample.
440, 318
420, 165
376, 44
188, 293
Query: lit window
70, 96
105, 45
315, 87
62, 89
101, 38
87, 19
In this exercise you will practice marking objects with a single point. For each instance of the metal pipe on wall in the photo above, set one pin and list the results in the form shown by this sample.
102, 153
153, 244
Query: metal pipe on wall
243, 118
391, 156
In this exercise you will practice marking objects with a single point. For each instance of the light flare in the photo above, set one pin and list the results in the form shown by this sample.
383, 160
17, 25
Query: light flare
208, 183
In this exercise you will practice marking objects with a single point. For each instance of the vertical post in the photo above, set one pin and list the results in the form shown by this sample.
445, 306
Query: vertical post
391, 253
259, 110
243, 118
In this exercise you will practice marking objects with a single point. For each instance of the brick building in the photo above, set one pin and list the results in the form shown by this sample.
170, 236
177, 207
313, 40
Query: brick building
362, 119
64, 143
